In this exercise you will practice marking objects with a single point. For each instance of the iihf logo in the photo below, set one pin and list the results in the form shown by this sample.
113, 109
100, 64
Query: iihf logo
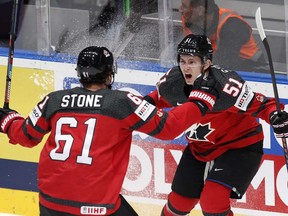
93, 210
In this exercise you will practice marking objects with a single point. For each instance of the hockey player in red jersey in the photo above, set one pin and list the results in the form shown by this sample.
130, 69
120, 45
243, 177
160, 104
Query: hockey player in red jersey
84, 160
224, 148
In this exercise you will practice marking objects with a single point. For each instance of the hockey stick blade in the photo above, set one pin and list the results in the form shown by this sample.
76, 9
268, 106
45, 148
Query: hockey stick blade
267, 48
259, 24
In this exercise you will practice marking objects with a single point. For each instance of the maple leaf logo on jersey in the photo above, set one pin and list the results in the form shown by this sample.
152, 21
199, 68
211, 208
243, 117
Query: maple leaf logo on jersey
200, 132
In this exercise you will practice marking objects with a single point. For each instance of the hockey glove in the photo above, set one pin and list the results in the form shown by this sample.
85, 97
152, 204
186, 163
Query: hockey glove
204, 93
279, 122
7, 116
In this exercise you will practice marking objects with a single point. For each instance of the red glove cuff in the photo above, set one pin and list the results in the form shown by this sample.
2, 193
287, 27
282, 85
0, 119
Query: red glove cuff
6, 122
206, 98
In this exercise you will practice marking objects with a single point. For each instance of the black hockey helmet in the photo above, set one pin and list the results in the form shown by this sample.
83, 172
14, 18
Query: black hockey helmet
94, 65
195, 45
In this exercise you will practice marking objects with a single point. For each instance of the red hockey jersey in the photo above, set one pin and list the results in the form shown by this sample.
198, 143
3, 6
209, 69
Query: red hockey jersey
84, 160
233, 121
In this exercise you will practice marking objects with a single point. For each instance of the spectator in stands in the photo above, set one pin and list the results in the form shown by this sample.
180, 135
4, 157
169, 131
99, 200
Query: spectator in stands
230, 35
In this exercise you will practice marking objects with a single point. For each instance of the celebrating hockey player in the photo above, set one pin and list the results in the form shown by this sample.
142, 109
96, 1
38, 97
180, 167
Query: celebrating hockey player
225, 147
84, 160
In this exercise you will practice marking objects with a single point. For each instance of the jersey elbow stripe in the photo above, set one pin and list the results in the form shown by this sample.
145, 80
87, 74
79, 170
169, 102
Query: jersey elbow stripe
37, 128
29, 136
261, 107
160, 125
140, 123
137, 125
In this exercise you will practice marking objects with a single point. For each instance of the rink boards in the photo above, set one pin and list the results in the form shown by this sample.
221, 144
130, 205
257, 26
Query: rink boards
152, 162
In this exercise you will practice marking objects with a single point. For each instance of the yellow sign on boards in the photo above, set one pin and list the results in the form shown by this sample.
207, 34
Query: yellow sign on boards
28, 87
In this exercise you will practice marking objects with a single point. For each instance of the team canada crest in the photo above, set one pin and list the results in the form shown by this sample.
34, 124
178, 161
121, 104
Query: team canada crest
199, 132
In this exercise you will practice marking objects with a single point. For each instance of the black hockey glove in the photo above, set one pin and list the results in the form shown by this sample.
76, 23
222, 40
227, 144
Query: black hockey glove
204, 93
7, 116
279, 122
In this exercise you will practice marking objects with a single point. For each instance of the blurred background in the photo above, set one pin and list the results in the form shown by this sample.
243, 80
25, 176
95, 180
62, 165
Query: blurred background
146, 30
143, 36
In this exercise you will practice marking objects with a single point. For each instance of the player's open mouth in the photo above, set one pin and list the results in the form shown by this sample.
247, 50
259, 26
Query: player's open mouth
188, 76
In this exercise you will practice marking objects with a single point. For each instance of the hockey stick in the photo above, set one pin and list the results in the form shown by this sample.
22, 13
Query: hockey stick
12, 39
267, 48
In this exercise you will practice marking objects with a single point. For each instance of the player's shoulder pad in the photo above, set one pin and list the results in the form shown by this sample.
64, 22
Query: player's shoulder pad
170, 86
170, 78
172, 74
224, 75
232, 89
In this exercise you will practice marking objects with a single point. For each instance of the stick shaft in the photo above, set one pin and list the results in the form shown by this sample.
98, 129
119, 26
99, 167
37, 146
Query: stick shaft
274, 84
276, 95
11, 53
